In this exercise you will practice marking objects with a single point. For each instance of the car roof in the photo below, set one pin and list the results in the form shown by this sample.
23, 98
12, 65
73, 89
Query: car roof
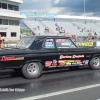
46, 36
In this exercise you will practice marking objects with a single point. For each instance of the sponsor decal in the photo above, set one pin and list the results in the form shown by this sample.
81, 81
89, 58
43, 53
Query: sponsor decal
51, 63
61, 61
73, 63
83, 61
27, 45
60, 40
48, 43
66, 61
54, 64
86, 62
54, 61
71, 60
63, 47
61, 57
73, 56
47, 40
48, 47
7, 58
80, 64
48, 63
51, 66
61, 64
18, 58
11, 58
77, 60
68, 64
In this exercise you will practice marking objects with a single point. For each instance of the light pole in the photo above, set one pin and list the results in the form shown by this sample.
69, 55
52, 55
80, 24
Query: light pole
84, 7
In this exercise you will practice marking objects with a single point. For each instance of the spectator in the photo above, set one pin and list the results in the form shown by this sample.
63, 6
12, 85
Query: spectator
73, 24
54, 19
56, 29
61, 28
94, 30
57, 34
85, 22
0, 41
90, 29
32, 33
56, 24
95, 33
34, 28
40, 19
78, 28
82, 30
38, 27
49, 31
20, 36
64, 31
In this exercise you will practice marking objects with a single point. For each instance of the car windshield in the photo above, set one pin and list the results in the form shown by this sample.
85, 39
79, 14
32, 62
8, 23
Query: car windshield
25, 42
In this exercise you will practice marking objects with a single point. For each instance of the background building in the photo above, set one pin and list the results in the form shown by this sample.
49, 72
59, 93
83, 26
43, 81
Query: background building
10, 19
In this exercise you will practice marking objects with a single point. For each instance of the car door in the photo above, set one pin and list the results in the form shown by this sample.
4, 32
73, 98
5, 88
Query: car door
69, 53
50, 53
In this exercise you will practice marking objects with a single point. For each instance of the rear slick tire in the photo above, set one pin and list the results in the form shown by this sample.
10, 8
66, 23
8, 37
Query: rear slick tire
95, 63
32, 70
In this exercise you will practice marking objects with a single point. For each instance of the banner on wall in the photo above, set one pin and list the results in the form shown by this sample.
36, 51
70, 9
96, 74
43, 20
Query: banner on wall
86, 44
39, 15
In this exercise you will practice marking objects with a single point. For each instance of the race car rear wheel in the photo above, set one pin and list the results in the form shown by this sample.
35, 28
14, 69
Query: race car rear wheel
95, 63
32, 70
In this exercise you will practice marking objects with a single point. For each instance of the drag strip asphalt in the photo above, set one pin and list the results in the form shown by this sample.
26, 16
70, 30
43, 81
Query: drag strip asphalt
49, 82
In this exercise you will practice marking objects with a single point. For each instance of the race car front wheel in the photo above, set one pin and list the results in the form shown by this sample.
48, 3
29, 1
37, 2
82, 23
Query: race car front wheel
95, 63
32, 70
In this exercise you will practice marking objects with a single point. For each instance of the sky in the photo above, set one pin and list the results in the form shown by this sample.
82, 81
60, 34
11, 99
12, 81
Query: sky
62, 7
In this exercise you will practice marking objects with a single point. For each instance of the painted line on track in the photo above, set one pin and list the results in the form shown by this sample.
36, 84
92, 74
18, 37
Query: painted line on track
60, 92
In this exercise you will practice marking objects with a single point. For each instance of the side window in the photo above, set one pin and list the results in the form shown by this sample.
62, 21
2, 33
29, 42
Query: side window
64, 43
49, 43
37, 44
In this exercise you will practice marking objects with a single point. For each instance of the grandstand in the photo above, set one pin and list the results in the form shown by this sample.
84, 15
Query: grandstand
78, 27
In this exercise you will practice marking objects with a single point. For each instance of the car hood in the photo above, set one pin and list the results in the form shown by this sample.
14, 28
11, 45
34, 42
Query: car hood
7, 51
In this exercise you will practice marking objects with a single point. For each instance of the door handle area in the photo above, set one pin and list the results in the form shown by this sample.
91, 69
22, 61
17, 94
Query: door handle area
59, 50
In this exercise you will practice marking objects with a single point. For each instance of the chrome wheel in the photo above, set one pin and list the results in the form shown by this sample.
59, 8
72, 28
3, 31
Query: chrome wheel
96, 61
32, 68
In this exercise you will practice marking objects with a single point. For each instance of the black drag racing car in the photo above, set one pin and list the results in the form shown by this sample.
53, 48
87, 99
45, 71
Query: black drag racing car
35, 53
